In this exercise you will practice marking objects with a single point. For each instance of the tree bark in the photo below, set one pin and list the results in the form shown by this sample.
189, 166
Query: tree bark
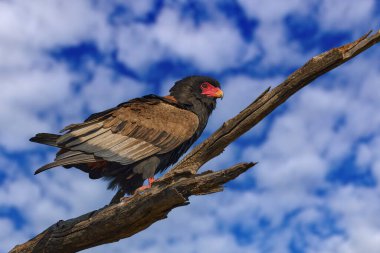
115, 222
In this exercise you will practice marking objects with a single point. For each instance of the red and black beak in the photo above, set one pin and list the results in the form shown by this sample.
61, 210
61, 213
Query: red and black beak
211, 91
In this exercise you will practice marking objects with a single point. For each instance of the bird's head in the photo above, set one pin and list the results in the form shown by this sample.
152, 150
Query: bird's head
197, 91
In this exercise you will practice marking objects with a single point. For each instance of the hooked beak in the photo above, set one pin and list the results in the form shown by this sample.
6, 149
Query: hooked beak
219, 94
213, 92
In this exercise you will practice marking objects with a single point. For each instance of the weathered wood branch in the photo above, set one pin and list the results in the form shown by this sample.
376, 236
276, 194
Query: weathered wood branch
129, 217
116, 222
271, 99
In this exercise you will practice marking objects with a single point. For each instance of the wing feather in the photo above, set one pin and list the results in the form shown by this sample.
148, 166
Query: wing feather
111, 122
131, 132
116, 149
89, 140
77, 140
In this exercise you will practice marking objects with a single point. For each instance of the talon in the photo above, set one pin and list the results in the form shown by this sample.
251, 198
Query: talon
151, 180
144, 187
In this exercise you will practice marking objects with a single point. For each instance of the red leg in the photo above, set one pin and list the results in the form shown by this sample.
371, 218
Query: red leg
144, 187
150, 181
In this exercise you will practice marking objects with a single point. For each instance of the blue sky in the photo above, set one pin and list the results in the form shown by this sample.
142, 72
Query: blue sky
316, 188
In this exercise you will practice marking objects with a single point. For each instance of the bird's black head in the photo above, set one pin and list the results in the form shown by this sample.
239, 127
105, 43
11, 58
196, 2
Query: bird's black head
198, 93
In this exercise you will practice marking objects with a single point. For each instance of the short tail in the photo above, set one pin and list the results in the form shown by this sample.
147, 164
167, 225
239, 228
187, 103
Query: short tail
45, 138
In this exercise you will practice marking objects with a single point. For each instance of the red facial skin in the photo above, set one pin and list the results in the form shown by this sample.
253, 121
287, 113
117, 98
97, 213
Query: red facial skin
211, 91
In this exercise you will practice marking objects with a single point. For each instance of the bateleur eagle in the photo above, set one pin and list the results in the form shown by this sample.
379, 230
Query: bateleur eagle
135, 140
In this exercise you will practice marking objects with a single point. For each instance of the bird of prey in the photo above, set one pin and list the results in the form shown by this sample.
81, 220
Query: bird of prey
135, 140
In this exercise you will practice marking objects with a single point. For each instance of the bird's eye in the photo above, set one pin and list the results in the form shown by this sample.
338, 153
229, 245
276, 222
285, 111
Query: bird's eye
205, 85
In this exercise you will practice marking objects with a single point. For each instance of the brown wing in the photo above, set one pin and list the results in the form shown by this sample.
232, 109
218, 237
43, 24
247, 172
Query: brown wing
132, 132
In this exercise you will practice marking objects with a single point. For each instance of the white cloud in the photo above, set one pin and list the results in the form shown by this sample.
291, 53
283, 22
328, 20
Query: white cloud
272, 9
32, 82
213, 45
224, 161
25, 94
358, 211
9, 235
137, 48
139, 8
108, 89
271, 33
336, 15
57, 23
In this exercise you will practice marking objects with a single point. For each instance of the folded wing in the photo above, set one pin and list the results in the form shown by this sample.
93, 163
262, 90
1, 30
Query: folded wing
128, 133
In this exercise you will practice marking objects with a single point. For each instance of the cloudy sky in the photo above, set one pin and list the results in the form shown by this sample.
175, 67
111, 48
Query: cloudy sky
316, 188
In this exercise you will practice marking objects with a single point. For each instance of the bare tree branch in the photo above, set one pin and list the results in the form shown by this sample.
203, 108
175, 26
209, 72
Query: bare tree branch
127, 218
116, 222
271, 99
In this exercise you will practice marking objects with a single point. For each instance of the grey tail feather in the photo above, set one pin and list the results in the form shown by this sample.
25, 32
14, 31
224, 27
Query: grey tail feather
46, 138
78, 159
46, 167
